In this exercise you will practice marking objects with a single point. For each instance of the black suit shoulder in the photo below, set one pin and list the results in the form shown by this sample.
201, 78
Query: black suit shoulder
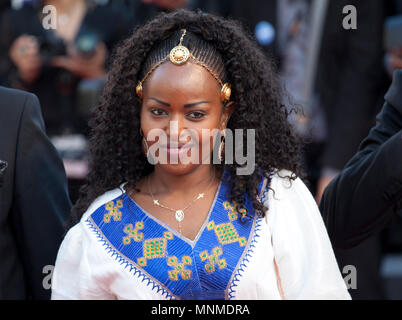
13, 102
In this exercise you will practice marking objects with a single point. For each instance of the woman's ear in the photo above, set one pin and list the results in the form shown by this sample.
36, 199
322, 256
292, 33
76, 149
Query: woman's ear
228, 109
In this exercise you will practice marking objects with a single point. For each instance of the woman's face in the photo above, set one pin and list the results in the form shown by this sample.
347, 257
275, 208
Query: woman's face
181, 101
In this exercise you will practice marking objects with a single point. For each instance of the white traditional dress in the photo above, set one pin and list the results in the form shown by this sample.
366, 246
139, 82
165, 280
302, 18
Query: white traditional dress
120, 251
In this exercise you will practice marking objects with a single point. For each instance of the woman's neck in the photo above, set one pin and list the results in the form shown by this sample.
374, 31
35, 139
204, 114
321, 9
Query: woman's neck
194, 182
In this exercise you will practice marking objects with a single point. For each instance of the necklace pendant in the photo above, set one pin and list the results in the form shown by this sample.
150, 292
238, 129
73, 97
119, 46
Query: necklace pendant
179, 215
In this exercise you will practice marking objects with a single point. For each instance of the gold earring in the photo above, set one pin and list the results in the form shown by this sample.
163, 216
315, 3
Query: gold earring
138, 89
144, 143
221, 146
226, 91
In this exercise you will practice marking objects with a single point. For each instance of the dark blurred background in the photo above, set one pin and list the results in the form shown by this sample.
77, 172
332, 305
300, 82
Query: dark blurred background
337, 76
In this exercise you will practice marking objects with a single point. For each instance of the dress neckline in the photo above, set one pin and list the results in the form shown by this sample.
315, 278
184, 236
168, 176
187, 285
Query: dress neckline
193, 242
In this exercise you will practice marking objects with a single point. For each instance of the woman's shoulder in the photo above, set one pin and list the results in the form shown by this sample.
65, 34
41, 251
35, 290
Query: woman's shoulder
288, 195
292, 209
81, 230
282, 181
283, 175
102, 200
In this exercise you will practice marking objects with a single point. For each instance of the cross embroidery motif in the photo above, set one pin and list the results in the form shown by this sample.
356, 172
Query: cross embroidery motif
133, 233
179, 268
113, 211
213, 259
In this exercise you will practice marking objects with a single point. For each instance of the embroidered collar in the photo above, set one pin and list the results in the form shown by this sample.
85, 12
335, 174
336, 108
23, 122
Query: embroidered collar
182, 269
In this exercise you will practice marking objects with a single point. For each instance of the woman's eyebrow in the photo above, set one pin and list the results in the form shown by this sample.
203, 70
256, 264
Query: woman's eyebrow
187, 105
160, 101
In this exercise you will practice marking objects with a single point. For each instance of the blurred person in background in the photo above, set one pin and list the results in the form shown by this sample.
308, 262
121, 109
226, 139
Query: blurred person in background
64, 65
34, 201
335, 76
350, 82
142, 11
289, 32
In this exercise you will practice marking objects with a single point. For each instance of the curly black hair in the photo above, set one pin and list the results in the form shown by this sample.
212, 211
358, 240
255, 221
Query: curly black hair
115, 142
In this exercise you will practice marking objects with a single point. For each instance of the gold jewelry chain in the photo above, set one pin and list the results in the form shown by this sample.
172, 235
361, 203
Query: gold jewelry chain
197, 61
180, 212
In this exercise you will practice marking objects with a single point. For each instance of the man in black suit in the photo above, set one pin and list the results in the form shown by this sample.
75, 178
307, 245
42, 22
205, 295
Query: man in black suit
367, 194
34, 201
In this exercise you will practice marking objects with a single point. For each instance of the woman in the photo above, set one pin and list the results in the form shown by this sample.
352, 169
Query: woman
193, 230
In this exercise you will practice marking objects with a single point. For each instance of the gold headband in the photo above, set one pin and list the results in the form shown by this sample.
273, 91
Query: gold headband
180, 55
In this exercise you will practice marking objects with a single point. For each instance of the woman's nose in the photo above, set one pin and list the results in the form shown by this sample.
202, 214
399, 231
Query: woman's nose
175, 126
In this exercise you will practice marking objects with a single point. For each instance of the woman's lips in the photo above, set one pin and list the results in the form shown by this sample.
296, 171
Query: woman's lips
176, 149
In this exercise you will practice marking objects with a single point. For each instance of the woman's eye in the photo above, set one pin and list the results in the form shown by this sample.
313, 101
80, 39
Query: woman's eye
196, 115
158, 112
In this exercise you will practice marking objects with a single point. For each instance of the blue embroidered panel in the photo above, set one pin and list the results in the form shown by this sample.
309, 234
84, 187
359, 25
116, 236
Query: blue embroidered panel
203, 269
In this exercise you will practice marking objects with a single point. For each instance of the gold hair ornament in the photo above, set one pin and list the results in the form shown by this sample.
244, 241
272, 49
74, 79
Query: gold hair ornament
179, 55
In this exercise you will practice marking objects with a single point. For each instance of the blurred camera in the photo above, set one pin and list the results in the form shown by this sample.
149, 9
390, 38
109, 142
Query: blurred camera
86, 43
51, 46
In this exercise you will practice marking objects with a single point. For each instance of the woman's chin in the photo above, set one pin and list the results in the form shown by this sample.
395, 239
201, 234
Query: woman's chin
178, 168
